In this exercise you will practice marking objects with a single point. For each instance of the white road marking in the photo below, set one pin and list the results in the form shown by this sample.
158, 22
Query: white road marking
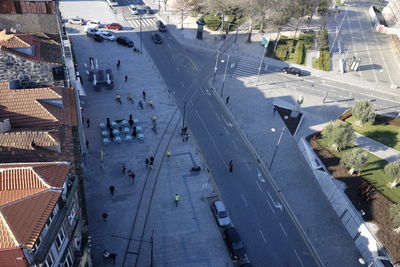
352, 39
244, 200
226, 130
261, 178
262, 236
283, 229
276, 204
259, 186
297, 255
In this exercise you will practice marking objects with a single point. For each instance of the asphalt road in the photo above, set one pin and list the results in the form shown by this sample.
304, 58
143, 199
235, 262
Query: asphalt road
266, 227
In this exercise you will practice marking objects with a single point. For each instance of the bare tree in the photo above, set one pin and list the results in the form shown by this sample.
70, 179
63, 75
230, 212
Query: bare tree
182, 6
221, 6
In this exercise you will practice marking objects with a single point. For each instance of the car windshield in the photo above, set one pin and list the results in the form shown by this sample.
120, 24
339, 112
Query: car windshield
223, 214
107, 34
237, 245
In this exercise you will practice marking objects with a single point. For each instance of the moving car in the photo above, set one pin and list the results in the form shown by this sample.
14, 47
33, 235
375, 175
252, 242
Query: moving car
125, 41
96, 37
77, 20
114, 26
133, 9
160, 26
292, 70
234, 243
148, 10
156, 38
107, 36
221, 214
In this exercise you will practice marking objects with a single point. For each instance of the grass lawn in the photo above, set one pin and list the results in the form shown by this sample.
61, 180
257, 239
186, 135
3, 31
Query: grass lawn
382, 133
373, 172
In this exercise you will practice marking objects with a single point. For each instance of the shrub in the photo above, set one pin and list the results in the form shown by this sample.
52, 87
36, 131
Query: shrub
323, 42
324, 60
363, 111
299, 53
308, 40
212, 22
339, 134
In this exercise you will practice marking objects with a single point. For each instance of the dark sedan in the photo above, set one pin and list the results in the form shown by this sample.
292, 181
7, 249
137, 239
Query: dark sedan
125, 41
292, 70
156, 38
234, 243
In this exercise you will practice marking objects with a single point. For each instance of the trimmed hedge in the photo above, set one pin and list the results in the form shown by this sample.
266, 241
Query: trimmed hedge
212, 22
299, 54
324, 61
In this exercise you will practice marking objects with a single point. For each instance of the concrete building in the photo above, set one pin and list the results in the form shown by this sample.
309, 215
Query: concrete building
392, 13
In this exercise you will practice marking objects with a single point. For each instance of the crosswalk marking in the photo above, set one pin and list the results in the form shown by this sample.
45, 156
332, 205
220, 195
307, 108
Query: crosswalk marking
145, 22
246, 69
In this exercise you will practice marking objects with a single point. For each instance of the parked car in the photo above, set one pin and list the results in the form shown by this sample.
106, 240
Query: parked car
107, 36
133, 9
77, 20
112, 2
156, 38
94, 23
234, 243
160, 26
114, 26
124, 41
221, 214
292, 70
148, 10
93, 30
96, 37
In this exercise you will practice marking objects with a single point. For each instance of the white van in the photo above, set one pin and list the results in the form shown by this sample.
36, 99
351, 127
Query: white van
94, 23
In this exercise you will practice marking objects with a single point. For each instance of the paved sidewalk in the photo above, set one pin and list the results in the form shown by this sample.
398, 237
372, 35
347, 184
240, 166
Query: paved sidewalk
380, 150
252, 110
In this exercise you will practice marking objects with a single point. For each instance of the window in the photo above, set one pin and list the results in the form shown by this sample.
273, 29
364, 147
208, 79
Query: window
49, 261
37, 244
51, 217
60, 238
68, 260
72, 214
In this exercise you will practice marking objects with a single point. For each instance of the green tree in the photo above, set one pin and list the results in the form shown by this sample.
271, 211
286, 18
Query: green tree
395, 216
354, 159
363, 111
393, 170
339, 134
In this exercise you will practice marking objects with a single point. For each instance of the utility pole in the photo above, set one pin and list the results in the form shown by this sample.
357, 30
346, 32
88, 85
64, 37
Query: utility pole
216, 66
276, 147
223, 81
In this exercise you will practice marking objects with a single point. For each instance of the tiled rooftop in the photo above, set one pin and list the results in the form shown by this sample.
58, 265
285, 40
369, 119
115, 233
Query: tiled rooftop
28, 194
31, 108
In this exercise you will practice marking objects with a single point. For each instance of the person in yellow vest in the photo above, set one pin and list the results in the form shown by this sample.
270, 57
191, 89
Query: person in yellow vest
168, 155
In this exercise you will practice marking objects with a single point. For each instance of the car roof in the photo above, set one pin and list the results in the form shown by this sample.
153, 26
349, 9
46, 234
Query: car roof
232, 234
219, 205
132, 6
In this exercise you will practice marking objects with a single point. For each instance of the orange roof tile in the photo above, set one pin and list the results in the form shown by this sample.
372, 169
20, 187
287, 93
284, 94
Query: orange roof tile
37, 107
13, 258
28, 194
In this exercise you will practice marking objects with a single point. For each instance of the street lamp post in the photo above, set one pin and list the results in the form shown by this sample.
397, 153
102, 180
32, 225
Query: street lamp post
140, 26
277, 145
215, 67
223, 81
261, 62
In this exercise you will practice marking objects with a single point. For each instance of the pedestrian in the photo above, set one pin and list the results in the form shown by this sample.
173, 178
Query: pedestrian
83, 120
151, 162
168, 155
123, 168
144, 95
134, 133
141, 104
113, 256
126, 78
87, 144
227, 100
101, 165
274, 111
147, 161
104, 216
230, 166
150, 103
112, 188
153, 119
88, 122
133, 175
176, 200
118, 64
186, 137
118, 98
129, 172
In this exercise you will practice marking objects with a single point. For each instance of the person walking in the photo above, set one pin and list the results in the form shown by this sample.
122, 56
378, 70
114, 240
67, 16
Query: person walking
151, 162
88, 122
123, 168
87, 144
111, 188
230, 166
118, 98
168, 155
141, 104
147, 161
133, 175
126, 78
144, 95
113, 256
104, 215
227, 100
118, 64
129, 173
176, 200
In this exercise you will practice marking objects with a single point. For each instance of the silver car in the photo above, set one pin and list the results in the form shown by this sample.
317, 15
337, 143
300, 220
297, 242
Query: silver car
221, 214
